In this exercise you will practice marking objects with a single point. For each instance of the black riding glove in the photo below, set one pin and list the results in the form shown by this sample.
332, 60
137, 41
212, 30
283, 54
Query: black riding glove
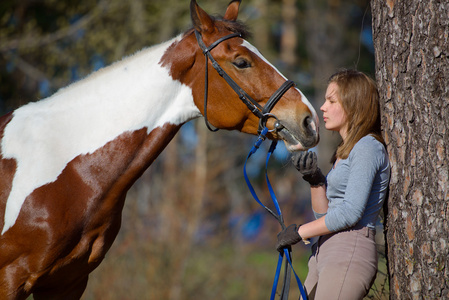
287, 237
306, 163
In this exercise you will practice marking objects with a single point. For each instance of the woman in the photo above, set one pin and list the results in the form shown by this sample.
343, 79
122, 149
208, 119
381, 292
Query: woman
347, 202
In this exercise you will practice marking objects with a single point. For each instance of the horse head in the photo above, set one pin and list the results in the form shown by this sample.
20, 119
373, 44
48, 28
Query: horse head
291, 119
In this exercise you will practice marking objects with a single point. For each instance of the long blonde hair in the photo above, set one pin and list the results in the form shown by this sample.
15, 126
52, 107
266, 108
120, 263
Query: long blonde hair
359, 98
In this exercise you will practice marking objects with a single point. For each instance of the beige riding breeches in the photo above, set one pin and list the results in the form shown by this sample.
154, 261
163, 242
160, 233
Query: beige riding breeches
343, 265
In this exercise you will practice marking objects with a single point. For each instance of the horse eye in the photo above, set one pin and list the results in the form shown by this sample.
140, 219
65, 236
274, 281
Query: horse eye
241, 63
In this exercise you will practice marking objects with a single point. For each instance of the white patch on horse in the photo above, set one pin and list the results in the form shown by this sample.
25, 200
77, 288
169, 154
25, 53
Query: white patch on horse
303, 98
43, 137
314, 125
257, 52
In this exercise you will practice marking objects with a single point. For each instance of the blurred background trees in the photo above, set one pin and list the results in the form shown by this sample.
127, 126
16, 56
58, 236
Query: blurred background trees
190, 227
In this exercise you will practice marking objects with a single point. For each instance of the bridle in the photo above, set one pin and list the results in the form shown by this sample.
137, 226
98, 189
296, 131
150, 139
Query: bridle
263, 113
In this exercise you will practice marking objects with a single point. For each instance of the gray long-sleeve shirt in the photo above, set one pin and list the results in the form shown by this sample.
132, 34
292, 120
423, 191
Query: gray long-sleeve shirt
357, 186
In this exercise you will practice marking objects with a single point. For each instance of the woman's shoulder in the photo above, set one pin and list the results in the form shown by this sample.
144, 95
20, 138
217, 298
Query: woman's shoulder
369, 141
368, 146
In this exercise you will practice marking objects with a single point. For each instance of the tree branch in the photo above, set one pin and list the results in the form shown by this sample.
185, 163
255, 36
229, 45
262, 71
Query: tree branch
31, 41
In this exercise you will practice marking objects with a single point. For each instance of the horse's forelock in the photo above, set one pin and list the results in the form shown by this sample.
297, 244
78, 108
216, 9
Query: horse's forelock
233, 26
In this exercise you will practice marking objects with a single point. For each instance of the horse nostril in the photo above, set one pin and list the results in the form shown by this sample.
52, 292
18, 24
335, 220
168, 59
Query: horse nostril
306, 122
309, 125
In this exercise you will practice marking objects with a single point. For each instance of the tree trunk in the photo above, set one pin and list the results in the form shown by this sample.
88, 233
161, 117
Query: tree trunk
412, 71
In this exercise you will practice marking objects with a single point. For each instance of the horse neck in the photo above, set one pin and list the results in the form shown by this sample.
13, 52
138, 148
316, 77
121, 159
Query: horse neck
132, 94
137, 91
135, 99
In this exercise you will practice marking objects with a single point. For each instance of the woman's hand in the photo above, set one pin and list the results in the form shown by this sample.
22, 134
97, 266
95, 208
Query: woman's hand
306, 163
287, 237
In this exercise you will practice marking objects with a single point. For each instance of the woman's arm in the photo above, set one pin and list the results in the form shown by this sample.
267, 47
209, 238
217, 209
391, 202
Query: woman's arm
319, 199
319, 206
306, 164
292, 235
313, 229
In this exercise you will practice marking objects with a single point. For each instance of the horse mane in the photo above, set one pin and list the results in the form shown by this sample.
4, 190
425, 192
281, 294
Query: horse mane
233, 26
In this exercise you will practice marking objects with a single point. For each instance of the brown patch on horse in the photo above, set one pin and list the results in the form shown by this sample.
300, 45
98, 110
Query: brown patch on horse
7, 170
65, 228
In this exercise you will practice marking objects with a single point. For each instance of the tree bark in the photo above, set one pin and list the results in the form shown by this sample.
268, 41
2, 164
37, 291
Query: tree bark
412, 72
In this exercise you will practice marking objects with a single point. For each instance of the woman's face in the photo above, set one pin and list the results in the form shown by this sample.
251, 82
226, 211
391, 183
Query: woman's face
333, 114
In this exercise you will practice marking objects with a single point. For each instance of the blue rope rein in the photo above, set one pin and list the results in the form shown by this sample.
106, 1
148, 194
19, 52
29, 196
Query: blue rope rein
278, 216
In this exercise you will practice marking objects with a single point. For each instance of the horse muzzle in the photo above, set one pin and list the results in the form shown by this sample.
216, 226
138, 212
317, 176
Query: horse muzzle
298, 138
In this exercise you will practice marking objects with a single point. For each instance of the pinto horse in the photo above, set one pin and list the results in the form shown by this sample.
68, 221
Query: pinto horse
67, 161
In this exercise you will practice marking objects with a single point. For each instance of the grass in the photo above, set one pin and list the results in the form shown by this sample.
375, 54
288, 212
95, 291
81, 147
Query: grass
209, 272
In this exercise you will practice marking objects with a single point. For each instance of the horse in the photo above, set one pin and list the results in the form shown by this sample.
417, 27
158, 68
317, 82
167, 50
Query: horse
67, 161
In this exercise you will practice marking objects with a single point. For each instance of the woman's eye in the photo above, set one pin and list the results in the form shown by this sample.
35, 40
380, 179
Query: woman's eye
241, 63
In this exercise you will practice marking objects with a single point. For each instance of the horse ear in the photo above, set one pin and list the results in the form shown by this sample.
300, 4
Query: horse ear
232, 11
200, 19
